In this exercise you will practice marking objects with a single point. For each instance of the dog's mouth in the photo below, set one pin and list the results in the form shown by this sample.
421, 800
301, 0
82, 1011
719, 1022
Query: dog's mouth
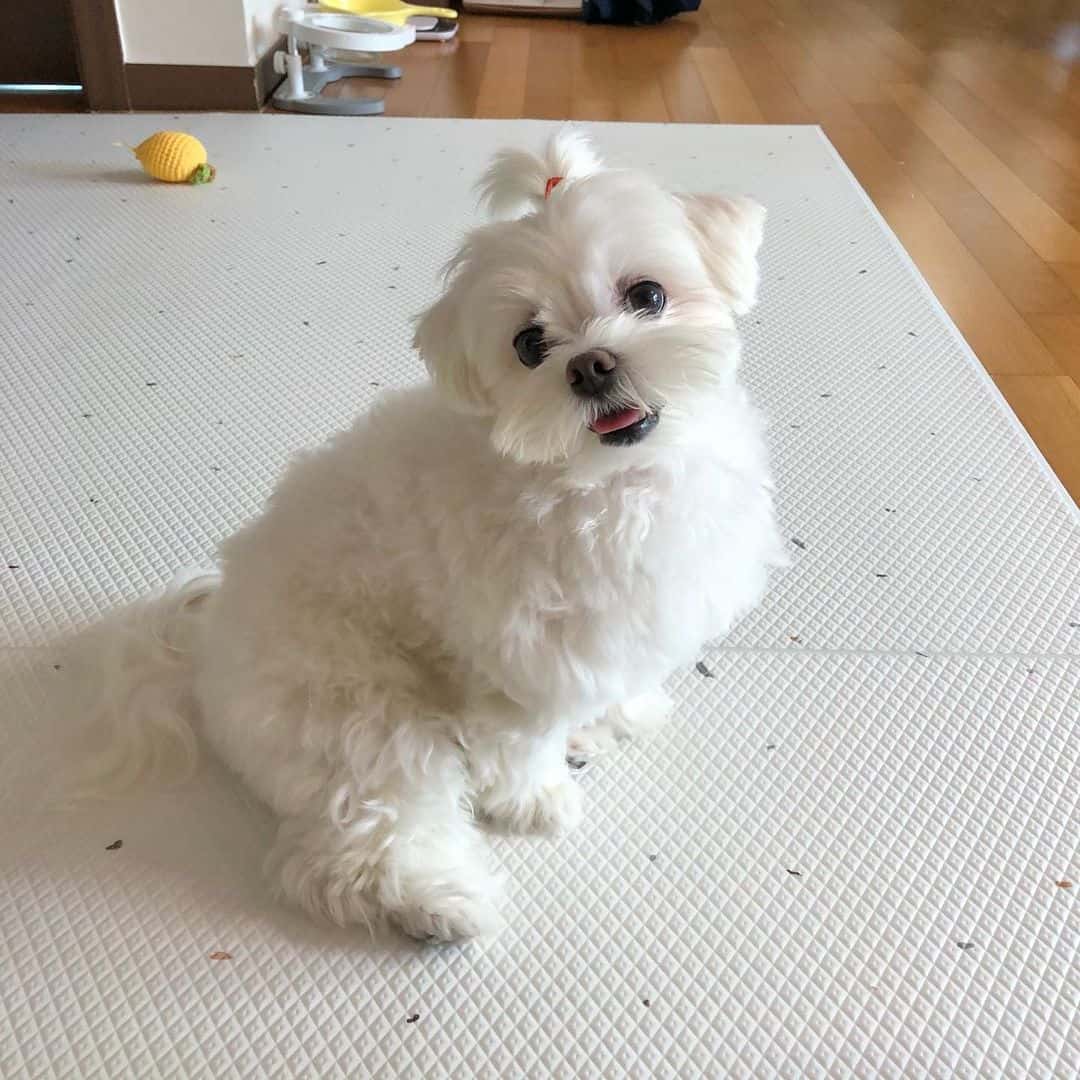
623, 427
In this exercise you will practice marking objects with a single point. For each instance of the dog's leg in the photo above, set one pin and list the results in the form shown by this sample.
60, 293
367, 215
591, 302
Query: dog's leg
640, 716
519, 771
401, 848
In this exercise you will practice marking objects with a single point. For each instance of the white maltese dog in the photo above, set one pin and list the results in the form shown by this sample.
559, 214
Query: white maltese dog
487, 570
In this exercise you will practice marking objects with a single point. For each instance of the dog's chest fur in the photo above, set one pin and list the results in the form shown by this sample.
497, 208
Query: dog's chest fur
410, 529
596, 594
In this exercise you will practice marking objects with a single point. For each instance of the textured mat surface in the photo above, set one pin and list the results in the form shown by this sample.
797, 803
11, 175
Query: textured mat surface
849, 853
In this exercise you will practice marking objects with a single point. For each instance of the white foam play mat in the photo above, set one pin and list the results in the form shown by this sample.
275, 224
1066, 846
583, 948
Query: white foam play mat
852, 853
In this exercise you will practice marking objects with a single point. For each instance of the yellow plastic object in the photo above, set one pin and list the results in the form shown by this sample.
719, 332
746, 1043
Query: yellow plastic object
175, 157
391, 11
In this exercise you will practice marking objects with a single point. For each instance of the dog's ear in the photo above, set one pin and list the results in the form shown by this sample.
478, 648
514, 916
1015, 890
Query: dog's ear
440, 339
728, 230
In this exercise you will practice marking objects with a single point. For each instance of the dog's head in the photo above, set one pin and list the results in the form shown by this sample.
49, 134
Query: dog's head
594, 324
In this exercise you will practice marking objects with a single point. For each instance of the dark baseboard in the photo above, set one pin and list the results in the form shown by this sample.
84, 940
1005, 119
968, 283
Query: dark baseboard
43, 103
183, 87
101, 55
201, 88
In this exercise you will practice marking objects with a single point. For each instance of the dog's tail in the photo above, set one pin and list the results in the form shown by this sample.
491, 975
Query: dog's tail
145, 708
517, 181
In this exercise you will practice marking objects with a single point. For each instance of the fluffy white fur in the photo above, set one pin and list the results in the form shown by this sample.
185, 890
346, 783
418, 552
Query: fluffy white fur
434, 603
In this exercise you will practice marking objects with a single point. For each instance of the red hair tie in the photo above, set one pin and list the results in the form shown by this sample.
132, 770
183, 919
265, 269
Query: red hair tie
552, 184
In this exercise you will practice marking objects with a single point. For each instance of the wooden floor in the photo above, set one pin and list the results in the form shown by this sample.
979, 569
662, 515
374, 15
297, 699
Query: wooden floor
961, 118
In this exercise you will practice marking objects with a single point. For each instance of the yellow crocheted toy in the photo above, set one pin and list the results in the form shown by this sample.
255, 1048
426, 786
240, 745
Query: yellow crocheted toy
174, 157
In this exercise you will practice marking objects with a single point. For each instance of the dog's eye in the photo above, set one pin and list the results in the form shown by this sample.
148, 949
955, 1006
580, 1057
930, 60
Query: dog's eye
530, 346
646, 298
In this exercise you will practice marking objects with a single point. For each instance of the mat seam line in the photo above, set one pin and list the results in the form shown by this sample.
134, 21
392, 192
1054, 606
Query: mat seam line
961, 654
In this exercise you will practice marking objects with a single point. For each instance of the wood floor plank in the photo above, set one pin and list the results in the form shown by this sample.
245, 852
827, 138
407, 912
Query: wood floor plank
1072, 392
732, 100
702, 30
844, 65
774, 96
895, 45
547, 85
1048, 233
479, 28
1070, 274
1046, 407
595, 87
844, 51
733, 21
640, 97
1028, 78
1022, 276
502, 87
1055, 185
456, 93
1042, 131
1061, 335
811, 83
686, 97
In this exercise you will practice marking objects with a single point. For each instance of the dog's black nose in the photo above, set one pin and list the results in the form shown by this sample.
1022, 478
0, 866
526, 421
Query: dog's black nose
591, 373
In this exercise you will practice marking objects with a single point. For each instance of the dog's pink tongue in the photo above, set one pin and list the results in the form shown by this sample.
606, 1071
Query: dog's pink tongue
616, 421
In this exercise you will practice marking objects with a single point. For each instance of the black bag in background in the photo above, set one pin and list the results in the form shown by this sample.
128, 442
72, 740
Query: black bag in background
635, 12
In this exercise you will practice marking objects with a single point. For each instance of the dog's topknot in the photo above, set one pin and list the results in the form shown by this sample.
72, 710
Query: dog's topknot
516, 182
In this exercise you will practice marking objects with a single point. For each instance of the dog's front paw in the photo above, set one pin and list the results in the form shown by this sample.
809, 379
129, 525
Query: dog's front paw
433, 879
640, 716
551, 808
588, 743
452, 916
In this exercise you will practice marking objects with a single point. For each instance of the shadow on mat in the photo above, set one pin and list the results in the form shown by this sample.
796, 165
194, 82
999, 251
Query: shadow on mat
90, 173
197, 845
